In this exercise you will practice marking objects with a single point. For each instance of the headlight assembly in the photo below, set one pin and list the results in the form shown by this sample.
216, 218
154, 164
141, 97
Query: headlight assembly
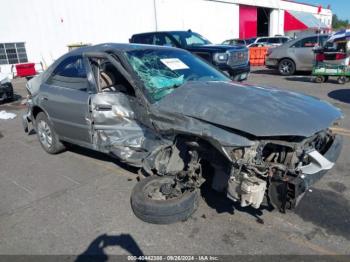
221, 57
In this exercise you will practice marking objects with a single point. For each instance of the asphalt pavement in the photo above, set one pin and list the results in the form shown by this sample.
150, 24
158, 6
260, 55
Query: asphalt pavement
78, 202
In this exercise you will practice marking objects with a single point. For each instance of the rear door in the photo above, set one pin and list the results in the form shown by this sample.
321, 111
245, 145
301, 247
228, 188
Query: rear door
302, 52
65, 98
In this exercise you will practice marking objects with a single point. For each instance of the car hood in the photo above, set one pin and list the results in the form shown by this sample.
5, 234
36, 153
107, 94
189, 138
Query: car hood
258, 111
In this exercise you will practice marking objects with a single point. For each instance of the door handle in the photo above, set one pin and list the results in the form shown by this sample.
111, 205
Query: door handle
103, 107
44, 98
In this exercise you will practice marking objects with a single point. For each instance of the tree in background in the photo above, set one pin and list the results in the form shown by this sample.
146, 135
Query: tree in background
338, 23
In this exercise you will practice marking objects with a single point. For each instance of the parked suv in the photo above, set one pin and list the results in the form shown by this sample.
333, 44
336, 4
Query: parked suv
295, 55
231, 59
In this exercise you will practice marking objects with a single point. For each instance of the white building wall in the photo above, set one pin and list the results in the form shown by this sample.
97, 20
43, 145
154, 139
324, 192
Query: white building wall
215, 20
276, 22
48, 26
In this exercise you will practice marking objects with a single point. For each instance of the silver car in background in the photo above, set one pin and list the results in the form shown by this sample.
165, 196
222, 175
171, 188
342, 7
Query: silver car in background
295, 55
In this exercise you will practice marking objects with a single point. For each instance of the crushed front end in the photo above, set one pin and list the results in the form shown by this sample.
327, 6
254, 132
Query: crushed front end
280, 170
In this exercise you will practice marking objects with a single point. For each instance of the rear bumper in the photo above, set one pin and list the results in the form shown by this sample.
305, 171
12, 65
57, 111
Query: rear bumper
271, 62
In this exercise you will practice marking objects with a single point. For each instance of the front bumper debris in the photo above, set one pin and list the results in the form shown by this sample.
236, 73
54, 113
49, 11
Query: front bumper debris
320, 165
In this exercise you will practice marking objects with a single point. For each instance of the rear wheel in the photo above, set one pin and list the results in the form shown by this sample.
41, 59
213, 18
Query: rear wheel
47, 137
286, 67
157, 200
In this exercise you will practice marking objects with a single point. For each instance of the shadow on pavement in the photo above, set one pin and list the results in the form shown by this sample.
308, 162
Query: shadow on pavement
96, 250
342, 95
100, 156
328, 210
264, 71
307, 79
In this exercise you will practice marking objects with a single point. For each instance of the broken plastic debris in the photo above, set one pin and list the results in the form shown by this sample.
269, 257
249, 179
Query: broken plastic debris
5, 115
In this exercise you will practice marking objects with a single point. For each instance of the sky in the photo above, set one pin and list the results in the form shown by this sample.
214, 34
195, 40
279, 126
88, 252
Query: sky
339, 7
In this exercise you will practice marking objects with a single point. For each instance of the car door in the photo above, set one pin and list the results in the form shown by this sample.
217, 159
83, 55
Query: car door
115, 112
302, 52
65, 98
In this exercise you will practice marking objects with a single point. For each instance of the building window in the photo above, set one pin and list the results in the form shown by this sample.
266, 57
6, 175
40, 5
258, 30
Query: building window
12, 53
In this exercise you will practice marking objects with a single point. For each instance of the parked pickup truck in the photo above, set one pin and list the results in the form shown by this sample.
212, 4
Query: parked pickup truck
233, 60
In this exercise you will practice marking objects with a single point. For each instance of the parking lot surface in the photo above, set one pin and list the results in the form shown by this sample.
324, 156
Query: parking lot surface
77, 202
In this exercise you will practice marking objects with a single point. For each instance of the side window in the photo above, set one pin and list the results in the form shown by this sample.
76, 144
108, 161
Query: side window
70, 73
284, 40
307, 42
273, 40
144, 39
168, 41
109, 78
262, 40
159, 39
71, 67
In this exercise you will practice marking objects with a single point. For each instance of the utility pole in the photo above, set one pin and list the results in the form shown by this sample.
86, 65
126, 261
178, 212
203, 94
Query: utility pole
155, 14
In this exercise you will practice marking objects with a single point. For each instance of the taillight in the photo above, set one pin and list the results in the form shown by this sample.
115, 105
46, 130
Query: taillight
340, 56
320, 57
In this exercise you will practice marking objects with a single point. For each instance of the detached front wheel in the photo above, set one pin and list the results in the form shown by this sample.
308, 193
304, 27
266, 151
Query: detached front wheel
157, 200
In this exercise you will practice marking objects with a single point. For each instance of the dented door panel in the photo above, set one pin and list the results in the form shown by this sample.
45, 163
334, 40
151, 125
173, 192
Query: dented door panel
117, 131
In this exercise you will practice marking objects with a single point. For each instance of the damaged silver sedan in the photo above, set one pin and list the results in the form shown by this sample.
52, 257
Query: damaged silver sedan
175, 117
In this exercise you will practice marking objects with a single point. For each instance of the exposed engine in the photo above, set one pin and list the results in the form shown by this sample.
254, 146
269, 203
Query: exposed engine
273, 170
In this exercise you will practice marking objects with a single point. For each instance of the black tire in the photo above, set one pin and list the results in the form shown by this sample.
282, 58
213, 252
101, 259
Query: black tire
10, 94
320, 79
55, 146
286, 67
341, 80
162, 211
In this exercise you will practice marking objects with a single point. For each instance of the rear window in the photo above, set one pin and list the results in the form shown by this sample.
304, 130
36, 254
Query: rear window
273, 40
310, 42
284, 40
262, 40
143, 39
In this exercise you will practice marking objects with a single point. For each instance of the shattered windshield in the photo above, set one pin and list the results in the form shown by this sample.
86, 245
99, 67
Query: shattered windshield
164, 70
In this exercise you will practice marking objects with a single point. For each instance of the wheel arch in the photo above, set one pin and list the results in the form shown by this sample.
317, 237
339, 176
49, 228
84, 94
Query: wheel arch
289, 58
36, 110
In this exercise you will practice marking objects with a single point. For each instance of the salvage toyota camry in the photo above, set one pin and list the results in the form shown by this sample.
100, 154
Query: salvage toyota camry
174, 116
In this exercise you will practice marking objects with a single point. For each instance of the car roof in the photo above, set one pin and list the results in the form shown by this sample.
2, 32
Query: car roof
176, 31
110, 47
105, 47
279, 36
